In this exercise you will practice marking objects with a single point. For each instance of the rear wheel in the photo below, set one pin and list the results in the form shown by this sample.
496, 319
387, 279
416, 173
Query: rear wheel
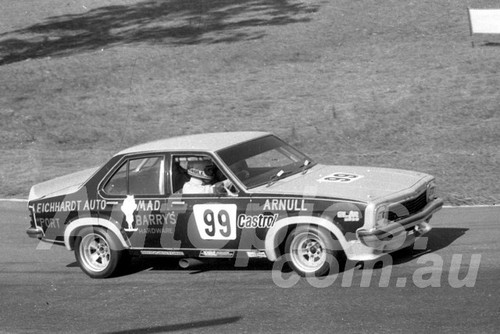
98, 252
312, 251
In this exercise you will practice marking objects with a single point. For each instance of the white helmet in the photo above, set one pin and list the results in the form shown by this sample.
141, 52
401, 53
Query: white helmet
202, 169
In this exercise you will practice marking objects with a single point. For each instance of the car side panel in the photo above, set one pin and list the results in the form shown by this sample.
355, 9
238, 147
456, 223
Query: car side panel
190, 223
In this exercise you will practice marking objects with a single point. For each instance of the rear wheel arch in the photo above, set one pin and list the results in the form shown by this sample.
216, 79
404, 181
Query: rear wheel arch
98, 252
73, 229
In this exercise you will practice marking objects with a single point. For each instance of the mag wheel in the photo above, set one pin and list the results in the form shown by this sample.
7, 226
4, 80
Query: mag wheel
311, 251
97, 252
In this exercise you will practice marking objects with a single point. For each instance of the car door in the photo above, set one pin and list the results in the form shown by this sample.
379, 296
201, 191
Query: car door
207, 222
135, 192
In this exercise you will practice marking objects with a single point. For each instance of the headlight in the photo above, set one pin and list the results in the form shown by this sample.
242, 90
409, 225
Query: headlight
381, 216
431, 191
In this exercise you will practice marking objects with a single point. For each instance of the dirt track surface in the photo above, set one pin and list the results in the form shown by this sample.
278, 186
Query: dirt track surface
44, 291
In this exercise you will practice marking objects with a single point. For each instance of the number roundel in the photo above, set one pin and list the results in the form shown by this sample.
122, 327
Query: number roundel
216, 221
340, 177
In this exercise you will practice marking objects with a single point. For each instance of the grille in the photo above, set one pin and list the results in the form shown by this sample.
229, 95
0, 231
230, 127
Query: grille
407, 208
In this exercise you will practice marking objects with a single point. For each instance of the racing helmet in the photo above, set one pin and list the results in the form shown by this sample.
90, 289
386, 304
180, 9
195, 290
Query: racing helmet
201, 169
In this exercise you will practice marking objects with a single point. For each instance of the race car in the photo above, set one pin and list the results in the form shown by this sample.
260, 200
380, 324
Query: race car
271, 201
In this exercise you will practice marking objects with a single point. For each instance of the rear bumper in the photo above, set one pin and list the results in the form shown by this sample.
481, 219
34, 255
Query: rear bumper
415, 225
35, 232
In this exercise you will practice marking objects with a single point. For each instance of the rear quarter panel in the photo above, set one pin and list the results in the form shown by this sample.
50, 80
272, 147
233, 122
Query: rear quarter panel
54, 213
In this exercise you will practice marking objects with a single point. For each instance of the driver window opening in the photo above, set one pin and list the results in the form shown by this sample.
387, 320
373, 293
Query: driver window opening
196, 174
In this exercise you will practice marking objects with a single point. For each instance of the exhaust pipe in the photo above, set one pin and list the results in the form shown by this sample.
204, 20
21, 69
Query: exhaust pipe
189, 262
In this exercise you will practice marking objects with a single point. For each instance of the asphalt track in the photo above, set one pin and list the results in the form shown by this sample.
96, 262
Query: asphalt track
450, 285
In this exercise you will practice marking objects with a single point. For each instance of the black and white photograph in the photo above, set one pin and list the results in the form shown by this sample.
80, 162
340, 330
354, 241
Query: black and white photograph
249, 166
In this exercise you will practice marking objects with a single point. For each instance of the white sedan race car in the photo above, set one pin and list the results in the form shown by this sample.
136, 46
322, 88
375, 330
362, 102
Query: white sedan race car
267, 200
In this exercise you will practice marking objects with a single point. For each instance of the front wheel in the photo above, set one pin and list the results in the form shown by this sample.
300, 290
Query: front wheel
98, 252
312, 251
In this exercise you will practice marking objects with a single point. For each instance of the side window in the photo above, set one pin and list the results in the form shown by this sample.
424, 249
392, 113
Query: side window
195, 174
143, 176
117, 185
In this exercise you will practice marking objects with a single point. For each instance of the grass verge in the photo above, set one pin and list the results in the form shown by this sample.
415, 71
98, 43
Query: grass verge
393, 84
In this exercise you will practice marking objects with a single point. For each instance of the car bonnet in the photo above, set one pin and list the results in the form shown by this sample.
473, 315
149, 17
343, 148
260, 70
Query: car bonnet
364, 184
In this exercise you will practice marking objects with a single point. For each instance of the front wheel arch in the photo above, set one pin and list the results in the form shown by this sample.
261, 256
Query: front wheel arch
277, 235
313, 251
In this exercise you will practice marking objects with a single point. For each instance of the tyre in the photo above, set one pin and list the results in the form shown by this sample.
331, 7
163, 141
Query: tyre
312, 251
98, 252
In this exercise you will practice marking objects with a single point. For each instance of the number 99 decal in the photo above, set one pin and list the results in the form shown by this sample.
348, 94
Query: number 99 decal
216, 221
340, 177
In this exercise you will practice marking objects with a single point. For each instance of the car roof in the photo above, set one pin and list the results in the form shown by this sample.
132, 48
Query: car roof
204, 142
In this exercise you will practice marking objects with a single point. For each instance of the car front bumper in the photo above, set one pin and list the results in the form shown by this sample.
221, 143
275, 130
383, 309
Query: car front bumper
402, 233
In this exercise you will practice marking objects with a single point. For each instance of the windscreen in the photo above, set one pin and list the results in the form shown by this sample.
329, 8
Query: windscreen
259, 161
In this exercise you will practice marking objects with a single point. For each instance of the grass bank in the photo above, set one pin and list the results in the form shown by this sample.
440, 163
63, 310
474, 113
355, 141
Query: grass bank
392, 83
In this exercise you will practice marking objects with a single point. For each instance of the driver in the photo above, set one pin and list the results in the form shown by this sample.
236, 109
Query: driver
202, 173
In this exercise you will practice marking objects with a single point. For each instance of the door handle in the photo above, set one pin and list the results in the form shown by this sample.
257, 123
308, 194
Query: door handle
178, 203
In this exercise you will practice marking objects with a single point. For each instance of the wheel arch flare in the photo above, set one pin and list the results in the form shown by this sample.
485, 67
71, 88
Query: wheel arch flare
277, 234
75, 226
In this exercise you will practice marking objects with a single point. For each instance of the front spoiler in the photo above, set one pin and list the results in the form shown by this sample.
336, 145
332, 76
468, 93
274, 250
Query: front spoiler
376, 238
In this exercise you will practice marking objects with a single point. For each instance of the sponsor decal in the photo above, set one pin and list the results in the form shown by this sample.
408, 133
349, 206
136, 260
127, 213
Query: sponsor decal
162, 252
67, 206
217, 253
351, 216
284, 205
340, 177
153, 222
256, 254
128, 207
149, 205
153, 230
48, 222
258, 221
158, 219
